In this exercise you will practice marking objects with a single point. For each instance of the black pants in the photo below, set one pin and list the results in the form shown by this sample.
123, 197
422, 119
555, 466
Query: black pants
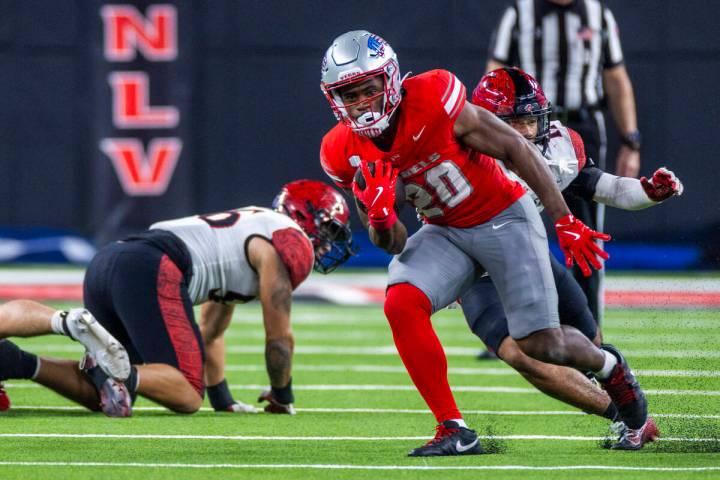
591, 128
137, 290
485, 316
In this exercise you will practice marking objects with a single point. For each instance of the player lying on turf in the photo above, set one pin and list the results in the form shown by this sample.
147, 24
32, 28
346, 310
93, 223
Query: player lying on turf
142, 290
515, 97
422, 129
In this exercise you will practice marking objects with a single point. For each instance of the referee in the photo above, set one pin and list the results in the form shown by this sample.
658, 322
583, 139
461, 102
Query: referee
572, 48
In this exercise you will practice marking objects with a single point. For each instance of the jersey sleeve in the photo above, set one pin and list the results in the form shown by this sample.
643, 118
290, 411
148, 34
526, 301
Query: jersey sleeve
578, 147
446, 92
296, 252
611, 48
503, 44
332, 160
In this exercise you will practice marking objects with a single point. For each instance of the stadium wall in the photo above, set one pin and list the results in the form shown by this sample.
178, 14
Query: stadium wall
239, 108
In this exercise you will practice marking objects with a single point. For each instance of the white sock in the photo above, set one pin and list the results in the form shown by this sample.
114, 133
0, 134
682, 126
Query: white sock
459, 421
610, 362
56, 322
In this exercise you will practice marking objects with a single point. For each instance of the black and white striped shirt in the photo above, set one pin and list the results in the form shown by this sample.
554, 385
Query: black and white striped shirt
565, 48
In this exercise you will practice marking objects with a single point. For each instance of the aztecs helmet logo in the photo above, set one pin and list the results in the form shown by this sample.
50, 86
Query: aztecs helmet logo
376, 46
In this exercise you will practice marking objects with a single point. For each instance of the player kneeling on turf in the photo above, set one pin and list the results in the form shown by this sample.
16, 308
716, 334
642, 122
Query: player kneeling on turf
139, 328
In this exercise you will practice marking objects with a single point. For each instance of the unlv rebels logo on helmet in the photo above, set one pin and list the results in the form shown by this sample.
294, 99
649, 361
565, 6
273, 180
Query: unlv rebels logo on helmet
376, 46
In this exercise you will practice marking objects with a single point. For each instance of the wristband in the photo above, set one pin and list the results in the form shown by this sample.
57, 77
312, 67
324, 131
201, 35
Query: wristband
632, 140
383, 224
284, 395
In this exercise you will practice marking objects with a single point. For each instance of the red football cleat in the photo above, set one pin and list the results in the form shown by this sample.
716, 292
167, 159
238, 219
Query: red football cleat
4, 399
635, 439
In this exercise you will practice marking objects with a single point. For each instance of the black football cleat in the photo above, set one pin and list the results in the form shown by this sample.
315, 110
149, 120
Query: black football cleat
115, 399
624, 390
635, 439
450, 439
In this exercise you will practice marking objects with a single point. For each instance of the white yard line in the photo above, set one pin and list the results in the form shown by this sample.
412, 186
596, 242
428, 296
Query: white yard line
264, 466
74, 408
411, 388
457, 370
109, 436
391, 350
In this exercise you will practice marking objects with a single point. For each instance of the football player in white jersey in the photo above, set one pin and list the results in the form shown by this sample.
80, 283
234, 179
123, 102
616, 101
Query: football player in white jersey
138, 325
517, 98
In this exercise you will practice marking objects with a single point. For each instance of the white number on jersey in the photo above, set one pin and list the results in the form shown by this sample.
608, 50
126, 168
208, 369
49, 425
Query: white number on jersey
450, 186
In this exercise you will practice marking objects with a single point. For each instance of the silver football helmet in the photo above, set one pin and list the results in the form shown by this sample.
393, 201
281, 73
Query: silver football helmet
355, 57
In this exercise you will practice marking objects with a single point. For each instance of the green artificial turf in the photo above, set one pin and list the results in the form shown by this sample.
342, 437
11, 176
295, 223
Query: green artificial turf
345, 360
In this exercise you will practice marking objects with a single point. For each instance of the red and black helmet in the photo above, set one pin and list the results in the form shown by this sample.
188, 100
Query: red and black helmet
512, 93
322, 212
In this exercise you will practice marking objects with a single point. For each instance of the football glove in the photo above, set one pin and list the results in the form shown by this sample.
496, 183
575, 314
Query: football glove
274, 406
378, 196
663, 185
577, 242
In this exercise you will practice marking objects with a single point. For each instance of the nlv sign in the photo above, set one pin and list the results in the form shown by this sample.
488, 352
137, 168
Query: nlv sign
141, 169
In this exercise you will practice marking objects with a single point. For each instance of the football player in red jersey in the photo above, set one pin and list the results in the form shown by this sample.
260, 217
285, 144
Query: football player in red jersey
142, 290
517, 98
476, 219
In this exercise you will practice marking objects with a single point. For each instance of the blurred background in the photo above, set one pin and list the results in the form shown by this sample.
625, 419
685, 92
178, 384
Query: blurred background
220, 105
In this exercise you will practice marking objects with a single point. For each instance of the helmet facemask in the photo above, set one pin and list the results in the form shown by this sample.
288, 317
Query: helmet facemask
373, 121
543, 122
332, 241
322, 213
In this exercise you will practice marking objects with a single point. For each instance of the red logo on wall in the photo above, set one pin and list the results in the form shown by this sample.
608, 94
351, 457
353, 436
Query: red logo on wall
142, 173
131, 103
127, 31
154, 35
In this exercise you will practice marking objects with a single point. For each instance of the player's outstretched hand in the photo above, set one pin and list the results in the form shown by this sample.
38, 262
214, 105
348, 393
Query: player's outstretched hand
577, 242
274, 406
378, 195
663, 185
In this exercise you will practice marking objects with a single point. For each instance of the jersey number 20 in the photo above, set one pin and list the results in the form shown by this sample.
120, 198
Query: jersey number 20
450, 186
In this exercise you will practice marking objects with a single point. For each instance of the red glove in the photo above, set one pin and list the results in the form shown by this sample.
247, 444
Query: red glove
663, 185
577, 242
379, 194
274, 406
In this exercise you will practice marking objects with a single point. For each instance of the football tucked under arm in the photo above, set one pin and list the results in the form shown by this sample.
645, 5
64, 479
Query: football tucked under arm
399, 186
379, 198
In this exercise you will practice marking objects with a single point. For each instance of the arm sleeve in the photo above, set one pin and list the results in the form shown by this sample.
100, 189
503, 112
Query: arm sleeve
621, 192
504, 39
612, 50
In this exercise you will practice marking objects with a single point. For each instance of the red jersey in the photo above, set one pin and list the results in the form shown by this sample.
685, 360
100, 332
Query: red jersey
447, 183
